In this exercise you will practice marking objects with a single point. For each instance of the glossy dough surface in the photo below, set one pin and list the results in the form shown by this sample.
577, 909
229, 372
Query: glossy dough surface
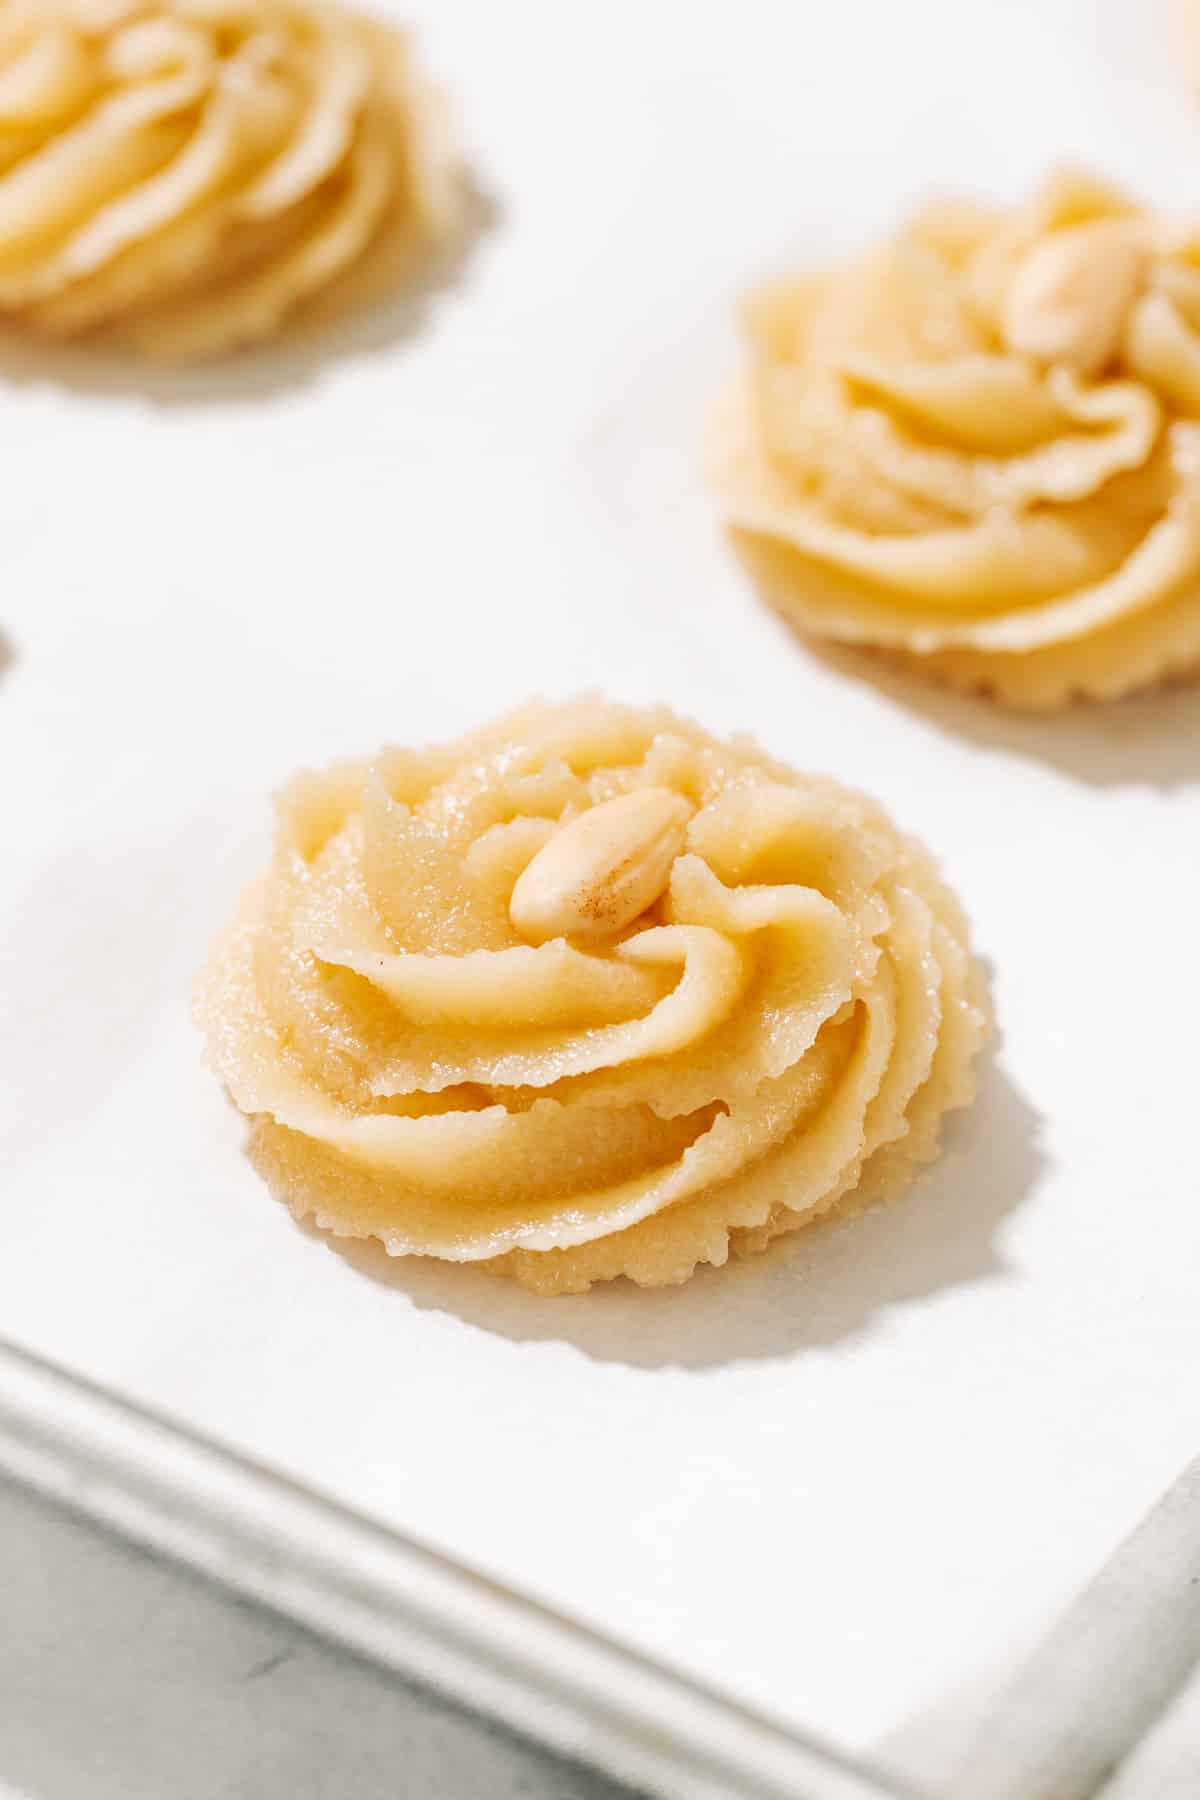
979, 447
778, 1032
183, 175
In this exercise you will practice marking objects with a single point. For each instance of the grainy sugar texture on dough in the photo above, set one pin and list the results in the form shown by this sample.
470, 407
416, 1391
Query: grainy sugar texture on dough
767, 1016
183, 174
978, 447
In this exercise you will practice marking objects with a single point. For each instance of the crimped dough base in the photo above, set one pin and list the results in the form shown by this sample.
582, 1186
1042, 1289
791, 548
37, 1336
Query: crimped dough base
1157, 648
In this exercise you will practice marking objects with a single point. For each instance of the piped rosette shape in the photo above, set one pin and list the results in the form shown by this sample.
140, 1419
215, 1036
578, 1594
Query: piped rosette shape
185, 174
589, 993
979, 447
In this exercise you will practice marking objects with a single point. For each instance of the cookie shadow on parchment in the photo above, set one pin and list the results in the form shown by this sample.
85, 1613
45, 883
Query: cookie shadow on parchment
1147, 739
815, 1288
368, 311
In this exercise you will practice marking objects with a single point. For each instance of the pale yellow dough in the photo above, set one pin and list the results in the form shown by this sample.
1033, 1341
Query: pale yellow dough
979, 447
778, 1032
184, 174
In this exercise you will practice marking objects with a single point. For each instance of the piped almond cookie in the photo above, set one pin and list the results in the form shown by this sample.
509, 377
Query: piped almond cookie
589, 993
184, 175
978, 447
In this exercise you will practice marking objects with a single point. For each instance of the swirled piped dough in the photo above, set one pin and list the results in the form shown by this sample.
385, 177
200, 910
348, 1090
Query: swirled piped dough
760, 1006
183, 174
979, 447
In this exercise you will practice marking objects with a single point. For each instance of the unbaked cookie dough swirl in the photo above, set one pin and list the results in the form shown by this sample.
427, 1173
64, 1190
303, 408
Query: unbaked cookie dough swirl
979, 447
589, 993
183, 174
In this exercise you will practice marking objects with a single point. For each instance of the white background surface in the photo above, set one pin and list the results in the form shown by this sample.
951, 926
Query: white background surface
853, 1481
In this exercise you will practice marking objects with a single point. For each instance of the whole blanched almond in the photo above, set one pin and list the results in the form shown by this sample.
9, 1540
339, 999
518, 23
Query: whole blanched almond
600, 870
1069, 299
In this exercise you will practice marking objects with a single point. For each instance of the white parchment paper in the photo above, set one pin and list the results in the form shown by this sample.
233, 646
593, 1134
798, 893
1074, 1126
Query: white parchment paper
853, 1481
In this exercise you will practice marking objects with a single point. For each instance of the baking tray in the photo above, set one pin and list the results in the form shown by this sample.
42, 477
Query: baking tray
850, 1485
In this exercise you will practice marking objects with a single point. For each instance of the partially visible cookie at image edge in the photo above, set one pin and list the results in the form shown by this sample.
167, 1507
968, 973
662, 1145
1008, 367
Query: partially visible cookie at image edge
977, 447
183, 175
